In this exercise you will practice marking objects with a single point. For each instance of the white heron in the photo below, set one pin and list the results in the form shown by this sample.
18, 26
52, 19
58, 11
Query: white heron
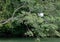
41, 14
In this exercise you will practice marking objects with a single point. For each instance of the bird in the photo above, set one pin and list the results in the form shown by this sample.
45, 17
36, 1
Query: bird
41, 14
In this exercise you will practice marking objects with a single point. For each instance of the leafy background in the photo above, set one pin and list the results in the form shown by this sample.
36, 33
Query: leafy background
20, 18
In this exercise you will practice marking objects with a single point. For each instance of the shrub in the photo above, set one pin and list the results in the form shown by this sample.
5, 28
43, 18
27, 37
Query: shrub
21, 16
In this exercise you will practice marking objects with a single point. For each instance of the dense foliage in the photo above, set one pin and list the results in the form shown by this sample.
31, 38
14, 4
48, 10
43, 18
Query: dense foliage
20, 17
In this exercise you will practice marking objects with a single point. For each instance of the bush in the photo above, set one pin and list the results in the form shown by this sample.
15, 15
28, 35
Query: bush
21, 17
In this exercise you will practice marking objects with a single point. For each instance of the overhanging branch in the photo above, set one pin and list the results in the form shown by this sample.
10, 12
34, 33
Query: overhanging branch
12, 15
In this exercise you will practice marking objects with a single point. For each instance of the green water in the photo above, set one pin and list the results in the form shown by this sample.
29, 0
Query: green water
51, 40
29, 40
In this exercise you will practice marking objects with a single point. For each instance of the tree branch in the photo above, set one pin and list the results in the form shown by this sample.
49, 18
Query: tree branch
12, 15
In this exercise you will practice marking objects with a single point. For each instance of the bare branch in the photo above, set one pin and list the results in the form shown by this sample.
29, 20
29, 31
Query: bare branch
12, 15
